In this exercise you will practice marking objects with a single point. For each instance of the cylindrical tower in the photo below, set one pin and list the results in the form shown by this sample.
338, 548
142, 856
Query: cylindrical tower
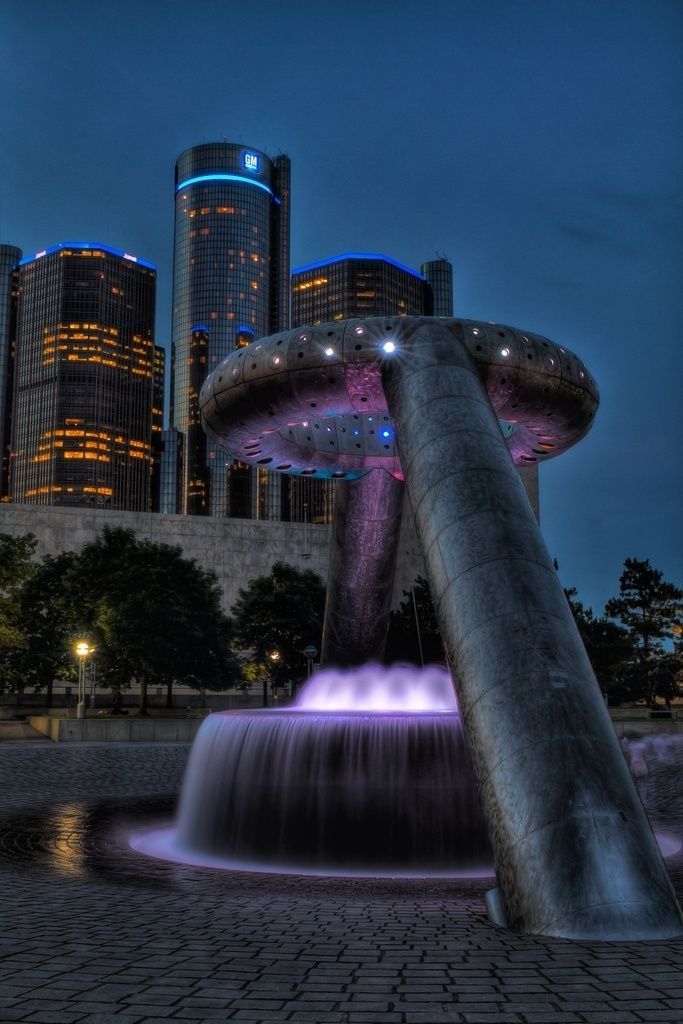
230, 285
439, 274
9, 258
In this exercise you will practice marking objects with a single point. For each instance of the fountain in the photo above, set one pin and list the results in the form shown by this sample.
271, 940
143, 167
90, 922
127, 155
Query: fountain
443, 410
367, 774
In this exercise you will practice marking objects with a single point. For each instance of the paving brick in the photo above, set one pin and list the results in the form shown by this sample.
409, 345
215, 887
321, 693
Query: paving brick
133, 941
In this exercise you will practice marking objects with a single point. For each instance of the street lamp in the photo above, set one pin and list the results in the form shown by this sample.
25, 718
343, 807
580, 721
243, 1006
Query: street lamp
83, 650
309, 654
273, 658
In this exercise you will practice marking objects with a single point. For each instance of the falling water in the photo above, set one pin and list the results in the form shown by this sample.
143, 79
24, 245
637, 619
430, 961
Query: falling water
366, 774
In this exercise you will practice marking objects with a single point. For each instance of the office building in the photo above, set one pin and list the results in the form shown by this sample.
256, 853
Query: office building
341, 288
439, 274
158, 385
82, 421
357, 285
171, 472
230, 286
9, 289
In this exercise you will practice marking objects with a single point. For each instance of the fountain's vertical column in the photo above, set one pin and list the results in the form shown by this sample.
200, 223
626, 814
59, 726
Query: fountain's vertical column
367, 520
575, 855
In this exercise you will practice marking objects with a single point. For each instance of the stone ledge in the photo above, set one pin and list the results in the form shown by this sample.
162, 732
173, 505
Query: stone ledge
116, 730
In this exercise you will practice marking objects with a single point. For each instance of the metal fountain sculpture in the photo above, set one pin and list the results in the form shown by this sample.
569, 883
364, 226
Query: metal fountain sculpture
445, 409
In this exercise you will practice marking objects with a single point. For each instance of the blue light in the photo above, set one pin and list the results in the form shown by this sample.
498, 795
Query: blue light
87, 245
358, 256
389, 347
356, 431
199, 327
227, 177
244, 329
386, 433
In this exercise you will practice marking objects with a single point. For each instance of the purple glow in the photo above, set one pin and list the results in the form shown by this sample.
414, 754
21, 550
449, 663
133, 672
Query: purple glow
162, 844
331, 787
669, 843
398, 688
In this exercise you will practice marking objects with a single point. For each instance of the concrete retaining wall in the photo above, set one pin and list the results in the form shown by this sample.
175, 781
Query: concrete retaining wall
116, 730
237, 550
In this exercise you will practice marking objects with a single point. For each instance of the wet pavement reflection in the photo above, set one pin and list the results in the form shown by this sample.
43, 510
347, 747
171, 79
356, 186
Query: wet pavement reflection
88, 841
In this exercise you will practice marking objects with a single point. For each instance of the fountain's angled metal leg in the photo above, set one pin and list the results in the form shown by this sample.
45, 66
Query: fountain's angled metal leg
367, 520
575, 855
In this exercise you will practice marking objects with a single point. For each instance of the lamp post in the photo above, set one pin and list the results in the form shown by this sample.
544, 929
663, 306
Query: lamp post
309, 654
273, 658
83, 650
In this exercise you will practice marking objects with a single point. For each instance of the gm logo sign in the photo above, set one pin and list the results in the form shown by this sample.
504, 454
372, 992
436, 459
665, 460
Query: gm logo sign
251, 162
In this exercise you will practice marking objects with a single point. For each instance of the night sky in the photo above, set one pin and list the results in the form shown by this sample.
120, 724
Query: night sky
539, 145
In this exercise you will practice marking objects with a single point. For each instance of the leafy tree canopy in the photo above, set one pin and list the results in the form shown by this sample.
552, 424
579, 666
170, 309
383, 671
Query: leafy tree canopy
16, 566
49, 622
629, 656
648, 606
610, 649
151, 613
280, 614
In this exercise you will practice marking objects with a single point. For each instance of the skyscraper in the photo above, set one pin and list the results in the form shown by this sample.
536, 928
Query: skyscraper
341, 288
357, 284
9, 288
83, 378
439, 273
230, 286
158, 384
171, 472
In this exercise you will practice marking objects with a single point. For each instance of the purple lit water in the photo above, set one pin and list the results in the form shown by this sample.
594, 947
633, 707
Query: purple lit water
368, 774
399, 688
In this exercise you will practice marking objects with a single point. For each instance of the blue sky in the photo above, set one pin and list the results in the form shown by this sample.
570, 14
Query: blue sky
538, 144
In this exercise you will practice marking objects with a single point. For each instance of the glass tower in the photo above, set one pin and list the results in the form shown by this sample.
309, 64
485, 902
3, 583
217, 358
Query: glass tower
357, 285
341, 288
82, 422
230, 286
439, 273
9, 286
158, 383
171, 472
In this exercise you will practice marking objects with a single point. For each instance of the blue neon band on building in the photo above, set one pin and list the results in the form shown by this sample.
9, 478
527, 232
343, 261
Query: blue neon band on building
230, 285
202, 178
91, 247
370, 256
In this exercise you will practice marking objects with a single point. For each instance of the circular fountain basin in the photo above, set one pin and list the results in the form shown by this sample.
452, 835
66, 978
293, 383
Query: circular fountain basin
352, 793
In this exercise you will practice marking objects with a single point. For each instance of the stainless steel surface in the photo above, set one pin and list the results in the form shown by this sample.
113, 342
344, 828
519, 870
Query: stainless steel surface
575, 854
465, 401
363, 547
310, 401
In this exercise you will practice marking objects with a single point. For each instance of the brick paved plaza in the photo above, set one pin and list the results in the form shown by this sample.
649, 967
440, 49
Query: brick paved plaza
92, 933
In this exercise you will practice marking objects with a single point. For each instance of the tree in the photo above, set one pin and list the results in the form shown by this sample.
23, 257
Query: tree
153, 615
16, 566
650, 608
49, 623
280, 614
404, 642
610, 650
